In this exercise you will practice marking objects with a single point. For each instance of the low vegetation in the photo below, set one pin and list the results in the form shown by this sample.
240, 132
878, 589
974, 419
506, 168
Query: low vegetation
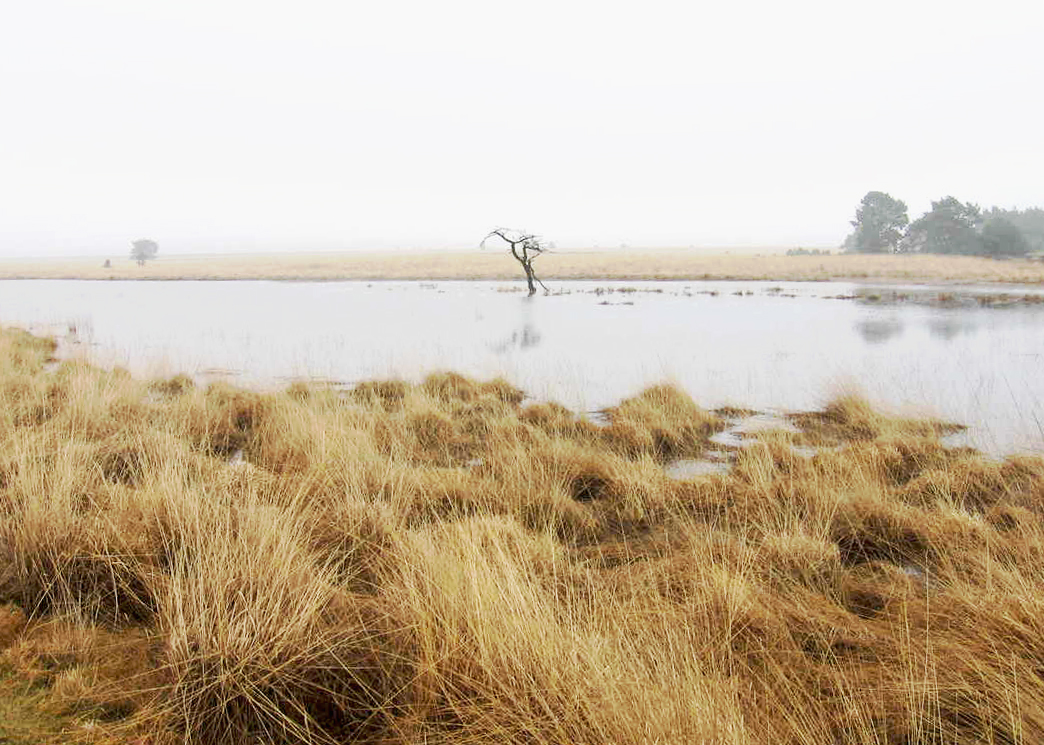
951, 227
770, 264
449, 562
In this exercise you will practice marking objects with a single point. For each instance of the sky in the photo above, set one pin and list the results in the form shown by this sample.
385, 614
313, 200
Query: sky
226, 126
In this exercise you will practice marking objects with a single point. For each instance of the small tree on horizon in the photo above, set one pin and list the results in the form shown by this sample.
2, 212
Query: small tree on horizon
950, 227
1002, 237
144, 249
1030, 222
525, 247
879, 224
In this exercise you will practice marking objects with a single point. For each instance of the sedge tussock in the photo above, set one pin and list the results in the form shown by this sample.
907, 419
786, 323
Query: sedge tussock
663, 421
260, 641
485, 673
850, 417
449, 562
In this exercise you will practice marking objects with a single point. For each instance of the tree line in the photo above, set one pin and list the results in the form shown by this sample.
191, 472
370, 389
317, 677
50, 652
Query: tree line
949, 227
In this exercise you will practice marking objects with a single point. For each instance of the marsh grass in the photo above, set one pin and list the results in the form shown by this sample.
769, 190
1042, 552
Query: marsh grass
769, 264
447, 562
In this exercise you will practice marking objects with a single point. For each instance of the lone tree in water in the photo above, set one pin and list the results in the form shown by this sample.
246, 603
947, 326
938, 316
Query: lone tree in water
524, 247
143, 250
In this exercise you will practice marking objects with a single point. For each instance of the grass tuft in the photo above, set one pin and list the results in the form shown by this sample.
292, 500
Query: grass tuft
447, 562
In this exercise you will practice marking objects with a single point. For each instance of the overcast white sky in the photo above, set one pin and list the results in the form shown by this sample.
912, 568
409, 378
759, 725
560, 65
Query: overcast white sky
221, 125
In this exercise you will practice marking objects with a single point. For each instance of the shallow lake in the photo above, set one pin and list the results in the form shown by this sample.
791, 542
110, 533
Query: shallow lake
967, 354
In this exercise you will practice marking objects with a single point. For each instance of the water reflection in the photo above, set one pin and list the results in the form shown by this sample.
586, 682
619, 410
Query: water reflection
948, 328
878, 330
526, 338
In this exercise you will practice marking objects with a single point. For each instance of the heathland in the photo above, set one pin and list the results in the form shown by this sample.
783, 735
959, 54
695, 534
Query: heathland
495, 265
450, 562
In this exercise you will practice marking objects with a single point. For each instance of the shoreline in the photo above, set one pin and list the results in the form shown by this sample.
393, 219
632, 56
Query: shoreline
649, 265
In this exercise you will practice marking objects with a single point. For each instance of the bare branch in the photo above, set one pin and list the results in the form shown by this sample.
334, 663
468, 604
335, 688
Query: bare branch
530, 246
520, 236
499, 232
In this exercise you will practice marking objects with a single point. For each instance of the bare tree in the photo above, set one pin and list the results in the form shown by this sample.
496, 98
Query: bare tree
525, 247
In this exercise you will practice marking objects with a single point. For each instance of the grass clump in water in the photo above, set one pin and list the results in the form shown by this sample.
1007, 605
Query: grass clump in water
661, 421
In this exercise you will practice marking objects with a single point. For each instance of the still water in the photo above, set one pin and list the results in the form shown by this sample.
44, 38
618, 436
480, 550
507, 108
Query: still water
767, 345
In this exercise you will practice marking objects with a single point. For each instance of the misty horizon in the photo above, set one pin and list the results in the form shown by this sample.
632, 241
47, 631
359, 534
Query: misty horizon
230, 127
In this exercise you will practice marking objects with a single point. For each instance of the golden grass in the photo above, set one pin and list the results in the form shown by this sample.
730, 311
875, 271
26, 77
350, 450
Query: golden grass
496, 265
446, 562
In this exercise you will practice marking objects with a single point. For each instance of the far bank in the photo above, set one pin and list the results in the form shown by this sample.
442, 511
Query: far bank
651, 264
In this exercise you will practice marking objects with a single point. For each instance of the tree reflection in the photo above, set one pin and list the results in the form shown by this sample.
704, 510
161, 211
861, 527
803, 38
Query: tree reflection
525, 338
949, 327
878, 330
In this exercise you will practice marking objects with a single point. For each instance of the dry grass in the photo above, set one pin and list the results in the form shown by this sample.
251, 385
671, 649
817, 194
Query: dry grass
496, 265
448, 563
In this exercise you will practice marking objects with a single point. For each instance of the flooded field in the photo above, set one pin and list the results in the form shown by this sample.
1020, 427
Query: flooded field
969, 354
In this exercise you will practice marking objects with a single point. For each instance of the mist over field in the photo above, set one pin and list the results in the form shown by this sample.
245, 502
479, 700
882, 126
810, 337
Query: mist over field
225, 126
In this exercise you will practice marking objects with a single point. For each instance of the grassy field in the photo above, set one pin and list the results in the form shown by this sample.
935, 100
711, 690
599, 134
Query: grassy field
490, 264
448, 562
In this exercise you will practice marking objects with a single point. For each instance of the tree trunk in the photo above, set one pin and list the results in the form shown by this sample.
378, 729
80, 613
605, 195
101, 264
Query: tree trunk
530, 276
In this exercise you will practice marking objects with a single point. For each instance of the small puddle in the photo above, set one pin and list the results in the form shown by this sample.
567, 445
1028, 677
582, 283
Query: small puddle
922, 577
729, 438
688, 468
737, 435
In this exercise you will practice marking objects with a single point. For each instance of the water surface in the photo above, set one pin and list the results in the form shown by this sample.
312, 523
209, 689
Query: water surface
768, 345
